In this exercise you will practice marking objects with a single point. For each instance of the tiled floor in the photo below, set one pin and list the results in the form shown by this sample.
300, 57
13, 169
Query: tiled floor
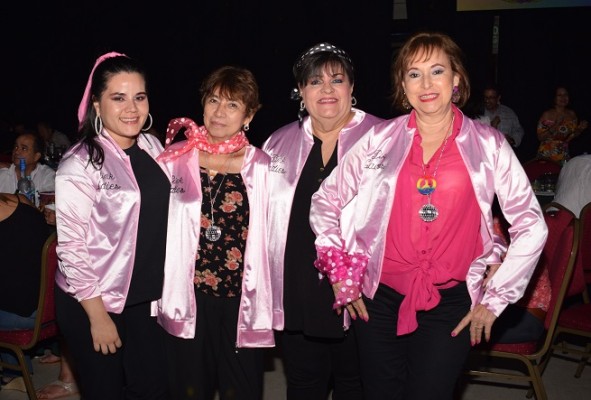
558, 378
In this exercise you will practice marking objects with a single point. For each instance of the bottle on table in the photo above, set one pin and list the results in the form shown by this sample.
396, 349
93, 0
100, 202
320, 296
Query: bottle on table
25, 184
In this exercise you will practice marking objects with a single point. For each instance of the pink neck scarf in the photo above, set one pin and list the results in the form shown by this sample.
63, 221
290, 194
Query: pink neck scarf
197, 139
82, 108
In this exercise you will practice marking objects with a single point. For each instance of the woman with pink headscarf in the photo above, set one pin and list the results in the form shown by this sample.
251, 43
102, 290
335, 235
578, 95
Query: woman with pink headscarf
112, 209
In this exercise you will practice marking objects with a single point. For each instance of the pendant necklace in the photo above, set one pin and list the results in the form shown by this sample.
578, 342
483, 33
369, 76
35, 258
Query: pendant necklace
214, 232
426, 185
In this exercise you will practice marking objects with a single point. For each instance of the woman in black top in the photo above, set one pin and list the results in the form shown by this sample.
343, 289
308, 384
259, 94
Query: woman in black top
23, 232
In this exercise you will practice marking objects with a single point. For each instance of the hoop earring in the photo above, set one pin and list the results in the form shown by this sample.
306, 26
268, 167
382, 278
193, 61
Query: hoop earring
353, 101
98, 122
246, 127
149, 126
302, 105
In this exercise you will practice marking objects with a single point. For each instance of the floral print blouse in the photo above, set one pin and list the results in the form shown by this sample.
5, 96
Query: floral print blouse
219, 265
555, 146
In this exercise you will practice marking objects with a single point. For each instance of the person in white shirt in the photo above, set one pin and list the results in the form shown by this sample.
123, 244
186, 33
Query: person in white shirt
51, 135
30, 147
571, 191
502, 117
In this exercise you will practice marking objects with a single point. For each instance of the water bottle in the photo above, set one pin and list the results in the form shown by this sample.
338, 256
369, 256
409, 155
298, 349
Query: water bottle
25, 183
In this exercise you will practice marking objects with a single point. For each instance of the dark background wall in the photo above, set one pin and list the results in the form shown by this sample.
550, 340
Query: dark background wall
49, 47
538, 49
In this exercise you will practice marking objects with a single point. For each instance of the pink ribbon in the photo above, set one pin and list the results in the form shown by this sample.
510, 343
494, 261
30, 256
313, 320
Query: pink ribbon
82, 108
197, 139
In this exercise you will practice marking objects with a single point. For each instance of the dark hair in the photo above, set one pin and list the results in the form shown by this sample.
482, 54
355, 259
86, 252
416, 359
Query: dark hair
38, 142
100, 79
426, 43
492, 86
233, 83
313, 65
314, 61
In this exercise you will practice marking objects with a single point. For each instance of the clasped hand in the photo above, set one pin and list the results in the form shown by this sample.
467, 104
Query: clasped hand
356, 308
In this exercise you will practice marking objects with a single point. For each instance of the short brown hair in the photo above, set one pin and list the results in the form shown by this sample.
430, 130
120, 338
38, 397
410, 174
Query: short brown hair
233, 83
427, 43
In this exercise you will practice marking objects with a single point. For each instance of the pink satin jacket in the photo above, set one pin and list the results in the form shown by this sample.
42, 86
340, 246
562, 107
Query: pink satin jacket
97, 219
369, 173
177, 310
289, 148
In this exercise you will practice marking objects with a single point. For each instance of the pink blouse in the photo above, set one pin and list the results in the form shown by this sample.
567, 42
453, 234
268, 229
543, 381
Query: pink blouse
422, 257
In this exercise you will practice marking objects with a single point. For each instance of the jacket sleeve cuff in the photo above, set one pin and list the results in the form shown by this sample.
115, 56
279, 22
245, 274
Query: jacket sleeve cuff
343, 268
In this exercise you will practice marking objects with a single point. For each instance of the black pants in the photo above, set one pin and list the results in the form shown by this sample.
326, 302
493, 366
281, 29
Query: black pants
135, 371
423, 365
314, 366
210, 361
515, 325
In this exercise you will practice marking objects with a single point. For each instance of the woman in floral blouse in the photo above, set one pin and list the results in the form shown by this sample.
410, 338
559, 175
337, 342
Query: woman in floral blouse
557, 127
216, 302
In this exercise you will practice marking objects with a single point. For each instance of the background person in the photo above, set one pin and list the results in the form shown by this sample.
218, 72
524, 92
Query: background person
52, 136
112, 207
573, 187
557, 127
424, 184
23, 233
502, 117
30, 147
217, 301
318, 352
522, 321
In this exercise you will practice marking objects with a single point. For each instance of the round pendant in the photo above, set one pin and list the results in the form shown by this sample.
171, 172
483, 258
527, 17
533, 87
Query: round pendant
426, 185
213, 233
428, 213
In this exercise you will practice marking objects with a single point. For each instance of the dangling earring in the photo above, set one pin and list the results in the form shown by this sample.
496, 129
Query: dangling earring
246, 127
149, 126
455, 95
302, 105
405, 103
98, 124
353, 101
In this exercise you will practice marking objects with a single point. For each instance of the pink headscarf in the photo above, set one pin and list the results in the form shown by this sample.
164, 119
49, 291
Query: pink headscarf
84, 103
197, 138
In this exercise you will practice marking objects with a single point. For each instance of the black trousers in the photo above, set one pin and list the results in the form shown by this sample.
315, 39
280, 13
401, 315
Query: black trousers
135, 371
422, 365
314, 366
211, 361
515, 325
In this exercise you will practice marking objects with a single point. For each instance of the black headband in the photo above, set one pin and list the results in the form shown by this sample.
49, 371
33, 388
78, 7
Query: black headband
321, 48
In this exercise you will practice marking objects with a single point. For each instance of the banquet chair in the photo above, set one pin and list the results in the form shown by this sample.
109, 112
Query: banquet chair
578, 285
536, 167
575, 321
506, 361
585, 251
45, 327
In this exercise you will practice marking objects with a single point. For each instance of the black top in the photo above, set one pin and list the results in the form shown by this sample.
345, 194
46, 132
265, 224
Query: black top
220, 266
22, 236
307, 300
150, 248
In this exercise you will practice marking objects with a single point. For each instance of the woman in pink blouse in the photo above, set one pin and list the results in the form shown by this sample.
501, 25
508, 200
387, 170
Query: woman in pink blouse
412, 273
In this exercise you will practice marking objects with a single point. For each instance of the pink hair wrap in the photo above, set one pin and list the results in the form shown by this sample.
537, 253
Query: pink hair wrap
84, 102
